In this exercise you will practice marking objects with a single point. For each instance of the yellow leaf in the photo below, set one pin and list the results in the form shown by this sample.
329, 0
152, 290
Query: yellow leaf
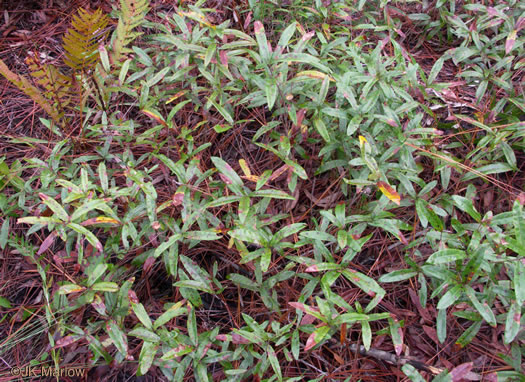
181, 93
389, 192
156, 116
246, 169
314, 74
362, 140
105, 219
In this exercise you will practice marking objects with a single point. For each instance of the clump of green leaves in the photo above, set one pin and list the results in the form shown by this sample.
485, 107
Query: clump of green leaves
361, 108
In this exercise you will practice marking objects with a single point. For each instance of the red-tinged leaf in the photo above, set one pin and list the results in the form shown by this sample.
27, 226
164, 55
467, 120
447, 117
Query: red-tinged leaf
66, 341
225, 179
47, 243
133, 297
415, 300
399, 347
384, 42
473, 26
303, 307
298, 305
300, 116
312, 268
511, 39
148, 264
156, 116
64, 256
223, 57
258, 27
389, 192
397, 334
520, 24
308, 319
308, 36
521, 198
222, 337
178, 197
237, 339
492, 11
278, 172
391, 122
310, 342
316, 337
460, 371
431, 333
206, 348
247, 20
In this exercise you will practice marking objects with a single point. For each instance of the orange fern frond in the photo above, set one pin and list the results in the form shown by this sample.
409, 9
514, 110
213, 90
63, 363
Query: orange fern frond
81, 41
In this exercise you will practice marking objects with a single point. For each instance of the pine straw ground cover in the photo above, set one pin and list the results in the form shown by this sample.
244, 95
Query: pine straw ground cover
256, 191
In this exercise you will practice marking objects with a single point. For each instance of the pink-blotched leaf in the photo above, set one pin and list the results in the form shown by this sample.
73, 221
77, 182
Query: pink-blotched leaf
303, 307
308, 319
237, 339
47, 242
247, 20
225, 179
224, 58
66, 341
397, 334
227, 174
258, 27
133, 297
316, 337
312, 268
148, 264
222, 337
511, 40
178, 197
308, 36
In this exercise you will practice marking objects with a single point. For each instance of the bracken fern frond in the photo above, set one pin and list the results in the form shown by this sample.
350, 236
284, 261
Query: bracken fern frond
83, 37
133, 13
55, 85
33, 92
